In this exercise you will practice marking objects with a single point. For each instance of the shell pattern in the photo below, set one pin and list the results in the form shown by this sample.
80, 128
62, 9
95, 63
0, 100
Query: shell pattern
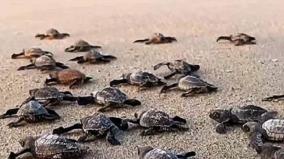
98, 122
141, 77
152, 118
110, 94
159, 154
274, 129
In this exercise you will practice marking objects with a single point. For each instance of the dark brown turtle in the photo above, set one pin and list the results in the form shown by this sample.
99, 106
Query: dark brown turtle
239, 39
155, 121
110, 98
270, 151
97, 126
31, 53
178, 67
236, 116
81, 46
30, 112
157, 38
49, 147
274, 98
43, 63
191, 85
67, 77
148, 152
141, 78
52, 34
93, 57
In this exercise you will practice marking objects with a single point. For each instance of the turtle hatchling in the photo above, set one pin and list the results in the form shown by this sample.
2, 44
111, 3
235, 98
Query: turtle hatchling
52, 34
148, 152
140, 78
155, 121
274, 98
30, 112
157, 38
236, 116
81, 46
178, 67
31, 53
49, 146
69, 77
43, 63
50, 96
270, 151
93, 57
110, 98
97, 126
191, 85
239, 39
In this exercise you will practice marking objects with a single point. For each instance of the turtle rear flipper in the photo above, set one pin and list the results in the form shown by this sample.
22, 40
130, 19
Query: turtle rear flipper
85, 100
186, 155
9, 113
132, 102
170, 75
141, 41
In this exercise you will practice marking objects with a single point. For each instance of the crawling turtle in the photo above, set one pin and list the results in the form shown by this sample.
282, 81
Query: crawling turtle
96, 126
155, 121
270, 151
236, 116
49, 146
67, 77
157, 38
31, 53
109, 97
50, 96
140, 78
30, 112
191, 85
52, 34
239, 39
81, 46
93, 57
148, 152
44, 62
274, 98
178, 67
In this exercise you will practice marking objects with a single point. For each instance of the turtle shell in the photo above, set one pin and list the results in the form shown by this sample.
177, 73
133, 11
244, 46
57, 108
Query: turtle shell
242, 36
153, 118
159, 154
68, 75
98, 123
44, 60
52, 146
52, 32
110, 94
31, 52
274, 129
81, 43
92, 55
46, 93
141, 77
190, 82
32, 109
247, 113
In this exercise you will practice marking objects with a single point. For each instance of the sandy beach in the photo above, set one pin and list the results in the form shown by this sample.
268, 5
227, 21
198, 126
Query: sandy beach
244, 75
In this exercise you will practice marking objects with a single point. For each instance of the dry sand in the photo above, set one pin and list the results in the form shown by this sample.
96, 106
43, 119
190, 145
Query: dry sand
243, 74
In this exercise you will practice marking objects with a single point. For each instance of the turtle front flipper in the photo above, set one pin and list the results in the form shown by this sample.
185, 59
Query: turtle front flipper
160, 65
168, 39
151, 131
30, 66
179, 119
79, 59
141, 40
17, 123
275, 97
62, 130
110, 57
14, 56
109, 107
256, 141
52, 115
221, 128
72, 48
268, 115
86, 100
51, 81
64, 35
118, 82
132, 102
94, 47
186, 155
41, 36
61, 65
170, 75
9, 113
166, 88
110, 137
229, 38
14, 155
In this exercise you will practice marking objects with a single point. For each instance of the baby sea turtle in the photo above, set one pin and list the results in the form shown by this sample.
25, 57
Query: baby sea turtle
155, 121
274, 98
31, 53
157, 38
93, 57
239, 39
49, 146
236, 116
270, 151
191, 85
178, 67
44, 62
50, 96
148, 152
30, 112
81, 46
96, 126
67, 77
110, 98
140, 78
52, 34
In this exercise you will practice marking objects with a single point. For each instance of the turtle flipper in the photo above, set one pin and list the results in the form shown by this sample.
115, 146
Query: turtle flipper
272, 98
141, 41
132, 102
85, 100
41, 36
51, 81
224, 38
72, 48
151, 131
61, 65
62, 130
110, 57
117, 82
17, 123
14, 155
14, 56
160, 65
30, 66
9, 113
111, 136
186, 155
221, 128
179, 119
166, 88
170, 75
256, 141
52, 115
79, 58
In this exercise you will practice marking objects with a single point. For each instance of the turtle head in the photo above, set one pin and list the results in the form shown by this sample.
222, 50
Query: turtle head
219, 115
143, 150
27, 142
250, 127
33, 91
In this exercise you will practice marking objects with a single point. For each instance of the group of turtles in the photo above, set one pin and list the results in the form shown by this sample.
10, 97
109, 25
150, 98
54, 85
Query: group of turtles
261, 124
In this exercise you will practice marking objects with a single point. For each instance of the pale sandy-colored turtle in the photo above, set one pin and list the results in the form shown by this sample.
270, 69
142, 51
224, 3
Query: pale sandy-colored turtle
93, 57
81, 46
191, 85
238, 39
44, 63
69, 77
157, 38
178, 67
49, 146
148, 152
52, 34
96, 126
31, 53
30, 112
